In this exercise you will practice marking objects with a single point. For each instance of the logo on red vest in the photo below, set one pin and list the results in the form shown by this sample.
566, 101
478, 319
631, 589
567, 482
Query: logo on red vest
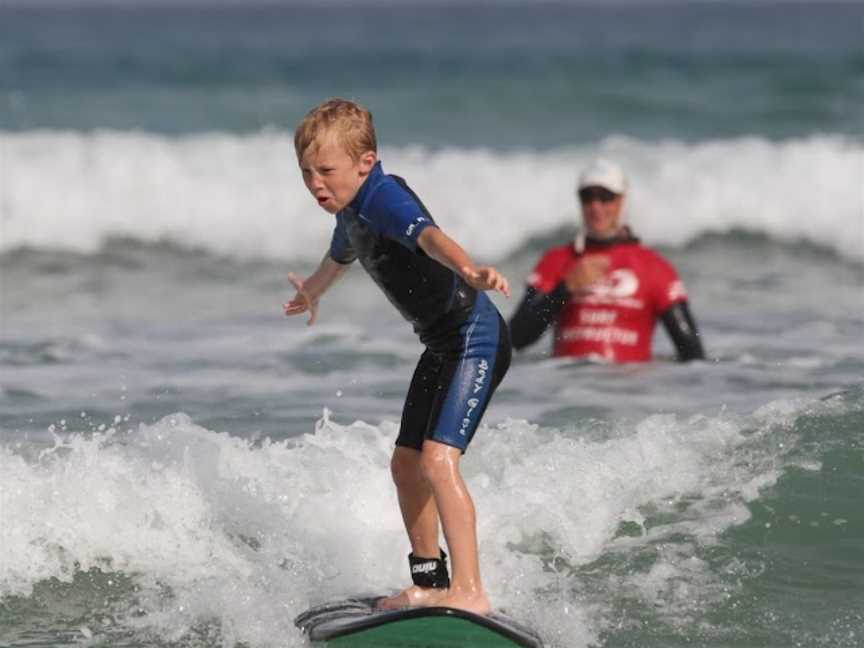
620, 283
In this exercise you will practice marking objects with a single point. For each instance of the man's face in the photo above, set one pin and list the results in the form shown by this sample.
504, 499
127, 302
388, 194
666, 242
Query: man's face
601, 211
331, 175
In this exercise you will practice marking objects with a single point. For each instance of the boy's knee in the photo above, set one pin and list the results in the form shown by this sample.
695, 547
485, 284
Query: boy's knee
436, 464
405, 467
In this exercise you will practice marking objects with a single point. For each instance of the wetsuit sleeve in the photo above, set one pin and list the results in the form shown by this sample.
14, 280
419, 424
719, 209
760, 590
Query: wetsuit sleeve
681, 327
398, 214
536, 312
671, 306
544, 298
341, 250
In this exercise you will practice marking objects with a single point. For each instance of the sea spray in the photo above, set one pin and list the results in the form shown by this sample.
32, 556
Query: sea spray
74, 191
212, 531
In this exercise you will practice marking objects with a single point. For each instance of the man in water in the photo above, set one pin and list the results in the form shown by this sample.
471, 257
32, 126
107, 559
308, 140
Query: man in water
604, 292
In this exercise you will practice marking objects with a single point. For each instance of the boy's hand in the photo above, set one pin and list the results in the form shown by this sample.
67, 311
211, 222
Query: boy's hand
301, 302
486, 278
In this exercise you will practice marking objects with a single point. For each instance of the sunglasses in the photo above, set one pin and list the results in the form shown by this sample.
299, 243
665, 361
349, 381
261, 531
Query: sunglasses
590, 194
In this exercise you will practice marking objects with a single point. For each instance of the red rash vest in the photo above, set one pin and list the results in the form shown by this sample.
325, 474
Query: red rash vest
615, 320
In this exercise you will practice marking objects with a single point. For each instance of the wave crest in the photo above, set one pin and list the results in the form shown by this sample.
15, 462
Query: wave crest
241, 195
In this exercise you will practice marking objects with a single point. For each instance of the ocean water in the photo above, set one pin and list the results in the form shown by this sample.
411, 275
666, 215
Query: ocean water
181, 466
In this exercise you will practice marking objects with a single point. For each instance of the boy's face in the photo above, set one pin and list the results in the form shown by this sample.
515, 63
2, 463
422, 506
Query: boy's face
331, 175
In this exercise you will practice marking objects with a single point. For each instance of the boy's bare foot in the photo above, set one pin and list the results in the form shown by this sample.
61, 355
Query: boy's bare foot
412, 597
475, 602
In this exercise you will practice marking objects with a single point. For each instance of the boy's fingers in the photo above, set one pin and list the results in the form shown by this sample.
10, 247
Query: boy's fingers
505, 287
468, 273
296, 281
301, 302
488, 278
313, 314
502, 286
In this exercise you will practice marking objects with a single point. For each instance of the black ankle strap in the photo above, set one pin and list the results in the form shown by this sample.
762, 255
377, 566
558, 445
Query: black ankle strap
429, 572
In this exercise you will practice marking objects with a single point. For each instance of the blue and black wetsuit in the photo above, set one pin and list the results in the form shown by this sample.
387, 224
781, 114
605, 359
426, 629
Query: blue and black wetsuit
467, 342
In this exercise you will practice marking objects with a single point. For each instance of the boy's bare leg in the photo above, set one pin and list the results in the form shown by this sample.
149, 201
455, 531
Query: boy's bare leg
440, 465
420, 516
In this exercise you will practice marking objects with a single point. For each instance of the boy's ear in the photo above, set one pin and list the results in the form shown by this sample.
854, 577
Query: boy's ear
367, 161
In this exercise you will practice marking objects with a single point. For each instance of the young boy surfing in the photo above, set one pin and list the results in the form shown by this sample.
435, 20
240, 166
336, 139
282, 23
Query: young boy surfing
436, 286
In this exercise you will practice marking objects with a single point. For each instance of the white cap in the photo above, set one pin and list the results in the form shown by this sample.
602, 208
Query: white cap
603, 173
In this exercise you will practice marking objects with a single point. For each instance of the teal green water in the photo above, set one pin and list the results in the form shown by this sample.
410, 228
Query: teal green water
793, 574
517, 75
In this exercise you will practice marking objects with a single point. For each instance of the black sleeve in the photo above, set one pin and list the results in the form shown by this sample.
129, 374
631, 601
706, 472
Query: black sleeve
682, 329
536, 312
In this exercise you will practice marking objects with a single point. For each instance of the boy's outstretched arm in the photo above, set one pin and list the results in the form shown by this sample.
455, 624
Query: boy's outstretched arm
448, 252
309, 291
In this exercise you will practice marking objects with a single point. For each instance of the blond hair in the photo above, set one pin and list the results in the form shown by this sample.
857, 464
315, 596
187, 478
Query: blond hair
349, 121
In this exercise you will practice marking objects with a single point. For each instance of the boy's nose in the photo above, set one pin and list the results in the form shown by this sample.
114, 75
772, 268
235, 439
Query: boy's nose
316, 181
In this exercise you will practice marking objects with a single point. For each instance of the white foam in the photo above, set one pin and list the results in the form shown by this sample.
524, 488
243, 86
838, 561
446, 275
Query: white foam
249, 535
242, 195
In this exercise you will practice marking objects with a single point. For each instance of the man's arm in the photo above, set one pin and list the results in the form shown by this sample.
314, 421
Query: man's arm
310, 290
681, 327
536, 312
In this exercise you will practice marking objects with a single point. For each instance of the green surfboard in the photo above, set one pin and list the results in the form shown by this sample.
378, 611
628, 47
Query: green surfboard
355, 623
